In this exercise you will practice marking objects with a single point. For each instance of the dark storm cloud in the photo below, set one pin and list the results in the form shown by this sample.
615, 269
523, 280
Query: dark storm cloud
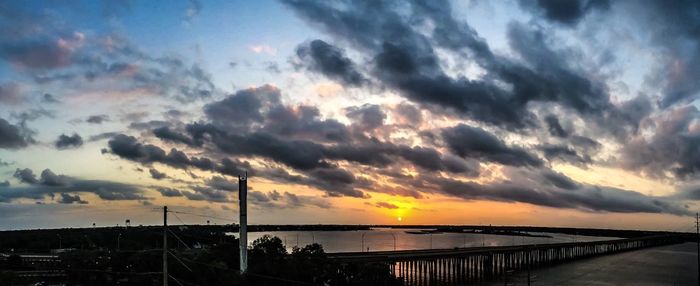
262, 105
167, 134
12, 137
169, 192
193, 196
222, 183
49, 98
208, 194
386, 205
243, 107
554, 127
315, 160
50, 184
559, 180
256, 197
270, 130
49, 178
276, 200
71, 199
672, 148
275, 138
405, 60
368, 117
674, 38
431, 160
102, 136
304, 122
299, 201
551, 79
565, 154
127, 147
319, 56
458, 165
409, 113
633, 111
175, 114
400, 42
564, 12
689, 192
585, 197
304, 155
157, 175
26, 176
68, 142
335, 181
585, 143
97, 119
307, 155
473, 142
299, 154
148, 125
451, 33
419, 79
228, 166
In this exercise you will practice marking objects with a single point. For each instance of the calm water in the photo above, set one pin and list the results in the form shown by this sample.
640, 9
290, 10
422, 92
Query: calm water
389, 239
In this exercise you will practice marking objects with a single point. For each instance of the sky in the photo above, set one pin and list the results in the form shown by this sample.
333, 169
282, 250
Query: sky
518, 112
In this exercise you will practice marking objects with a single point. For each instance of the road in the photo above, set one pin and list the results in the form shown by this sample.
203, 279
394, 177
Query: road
664, 265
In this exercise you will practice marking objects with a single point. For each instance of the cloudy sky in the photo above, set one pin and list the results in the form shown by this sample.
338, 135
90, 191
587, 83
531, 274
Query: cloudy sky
557, 113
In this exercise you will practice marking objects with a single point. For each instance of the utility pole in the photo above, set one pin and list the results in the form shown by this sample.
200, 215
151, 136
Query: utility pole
697, 230
165, 246
243, 229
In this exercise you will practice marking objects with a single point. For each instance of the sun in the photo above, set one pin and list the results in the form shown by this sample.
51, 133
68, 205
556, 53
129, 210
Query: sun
399, 218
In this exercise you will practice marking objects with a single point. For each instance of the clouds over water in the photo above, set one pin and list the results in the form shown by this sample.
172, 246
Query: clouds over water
427, 104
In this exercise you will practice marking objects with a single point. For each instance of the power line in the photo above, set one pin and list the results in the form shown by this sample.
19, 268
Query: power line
176, 281
203, 215
183, 282
178, 260
178, 218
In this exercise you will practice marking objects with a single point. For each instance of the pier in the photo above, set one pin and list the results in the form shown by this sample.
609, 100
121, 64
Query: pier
464, 266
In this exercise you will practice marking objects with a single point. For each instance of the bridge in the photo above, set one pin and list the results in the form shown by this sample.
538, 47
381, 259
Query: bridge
462, 266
